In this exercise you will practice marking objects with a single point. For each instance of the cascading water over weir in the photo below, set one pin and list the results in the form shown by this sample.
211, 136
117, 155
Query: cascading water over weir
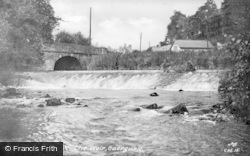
191, 81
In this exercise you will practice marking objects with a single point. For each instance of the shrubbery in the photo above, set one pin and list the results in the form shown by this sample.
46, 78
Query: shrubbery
162, 60
24, 26
235, 86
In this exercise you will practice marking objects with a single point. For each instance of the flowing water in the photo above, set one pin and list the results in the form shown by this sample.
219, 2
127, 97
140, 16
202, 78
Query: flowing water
101, 119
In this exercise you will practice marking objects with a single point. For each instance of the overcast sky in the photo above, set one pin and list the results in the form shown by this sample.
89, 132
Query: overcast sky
119, 22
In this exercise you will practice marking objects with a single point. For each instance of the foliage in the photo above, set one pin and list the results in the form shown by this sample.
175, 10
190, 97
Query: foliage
177, 29
182, 27
24, 26
239, 23
207, 10
235, 86
104, 62
177, 61
76, 38
64, 37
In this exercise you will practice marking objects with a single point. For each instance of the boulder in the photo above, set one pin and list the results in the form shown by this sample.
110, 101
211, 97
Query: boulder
154, 94
40, 105
180, 90
85, 106
152, 106
179, 109
70, 100
217, 106
136, 110
53, 102
47, 96
205, 111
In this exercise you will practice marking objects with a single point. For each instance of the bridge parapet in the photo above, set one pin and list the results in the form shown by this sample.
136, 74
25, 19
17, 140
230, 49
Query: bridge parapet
74, 49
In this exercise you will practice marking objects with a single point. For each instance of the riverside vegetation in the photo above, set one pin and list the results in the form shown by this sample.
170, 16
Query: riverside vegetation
235, 86
24, 27
214, 59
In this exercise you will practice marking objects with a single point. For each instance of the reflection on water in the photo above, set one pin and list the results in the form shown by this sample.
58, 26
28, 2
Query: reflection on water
11, 123
17, 124
108, 122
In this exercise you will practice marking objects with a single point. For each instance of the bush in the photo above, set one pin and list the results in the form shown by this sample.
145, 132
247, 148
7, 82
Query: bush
235, 87
161, 60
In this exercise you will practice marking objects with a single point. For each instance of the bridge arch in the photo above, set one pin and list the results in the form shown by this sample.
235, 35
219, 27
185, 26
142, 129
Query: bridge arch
67, 63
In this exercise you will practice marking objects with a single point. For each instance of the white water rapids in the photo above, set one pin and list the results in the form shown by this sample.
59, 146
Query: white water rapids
192, 81
103, 114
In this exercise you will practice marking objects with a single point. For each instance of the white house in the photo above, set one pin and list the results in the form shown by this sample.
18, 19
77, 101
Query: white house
125, 49
181, 45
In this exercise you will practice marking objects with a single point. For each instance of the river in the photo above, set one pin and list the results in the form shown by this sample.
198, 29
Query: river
101, 120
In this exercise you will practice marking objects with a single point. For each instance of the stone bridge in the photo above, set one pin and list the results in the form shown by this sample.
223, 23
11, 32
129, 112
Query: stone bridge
62, 56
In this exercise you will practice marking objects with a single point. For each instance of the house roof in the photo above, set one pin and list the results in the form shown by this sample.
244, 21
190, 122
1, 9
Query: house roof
125, 49
194, 44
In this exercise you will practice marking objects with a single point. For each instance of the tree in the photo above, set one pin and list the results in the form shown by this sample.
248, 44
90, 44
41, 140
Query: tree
25, 25
207, 10
237, 18
76, 38
235, 86
199, 21
80, 39
177, 29
65, 37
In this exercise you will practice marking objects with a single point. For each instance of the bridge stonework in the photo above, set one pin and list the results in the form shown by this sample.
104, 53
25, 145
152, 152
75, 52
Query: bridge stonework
53, 52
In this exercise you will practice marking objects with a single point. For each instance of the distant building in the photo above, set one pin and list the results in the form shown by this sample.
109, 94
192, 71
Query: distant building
181, 45
125, 49
100, 50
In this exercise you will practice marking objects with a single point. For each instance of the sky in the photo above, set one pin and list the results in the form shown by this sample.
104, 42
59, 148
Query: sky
119, 22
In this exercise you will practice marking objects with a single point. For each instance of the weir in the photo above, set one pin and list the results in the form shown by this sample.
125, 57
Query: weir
203, 80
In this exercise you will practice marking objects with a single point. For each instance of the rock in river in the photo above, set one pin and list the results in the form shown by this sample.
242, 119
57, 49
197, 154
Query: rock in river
154, 94
47, 96
179, 109
70, 100
40, 105
152, 106
136, 110
53, 102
